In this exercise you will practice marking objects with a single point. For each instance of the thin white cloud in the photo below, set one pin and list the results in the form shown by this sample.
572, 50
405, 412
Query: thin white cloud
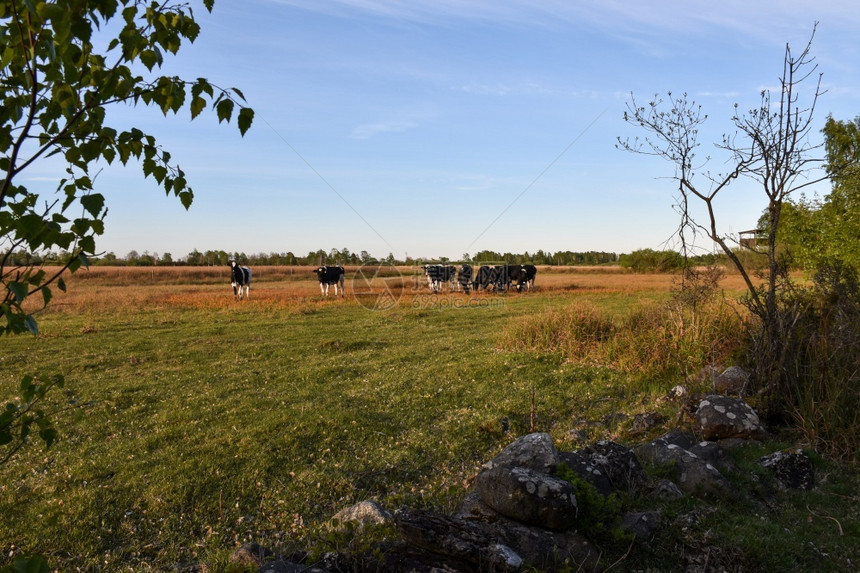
368, 130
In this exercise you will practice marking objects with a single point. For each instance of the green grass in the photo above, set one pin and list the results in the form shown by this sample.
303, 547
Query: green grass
204, 428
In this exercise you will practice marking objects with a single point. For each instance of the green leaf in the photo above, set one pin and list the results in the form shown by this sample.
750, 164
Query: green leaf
186, 197
198, 104
246, 118
225, 110
30, 324
93, 203
19, 290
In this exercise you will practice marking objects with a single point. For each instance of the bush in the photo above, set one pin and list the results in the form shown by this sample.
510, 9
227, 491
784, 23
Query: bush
817, 337
674, 338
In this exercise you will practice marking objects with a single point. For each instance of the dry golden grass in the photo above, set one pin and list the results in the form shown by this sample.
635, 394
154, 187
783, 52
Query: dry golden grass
296, 287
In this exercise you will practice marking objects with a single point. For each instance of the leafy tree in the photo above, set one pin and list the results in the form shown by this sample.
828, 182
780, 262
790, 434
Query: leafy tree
56, 83
771, 145
840, 212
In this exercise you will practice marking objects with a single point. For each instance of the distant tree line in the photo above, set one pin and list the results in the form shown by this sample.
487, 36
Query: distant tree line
642, 260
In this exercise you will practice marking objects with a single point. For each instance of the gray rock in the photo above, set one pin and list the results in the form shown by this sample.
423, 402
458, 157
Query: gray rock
791, 470
721, 417
643, 524
528, 496
714, 454
666, 490
618, 463
458, 538
362, 514
691, 473
732, 380
588, 470
534, 451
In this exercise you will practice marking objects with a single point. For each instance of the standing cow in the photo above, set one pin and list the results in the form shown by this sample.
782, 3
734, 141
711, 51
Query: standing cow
491, 276
464, 277
438, 274
331, 276
240, 279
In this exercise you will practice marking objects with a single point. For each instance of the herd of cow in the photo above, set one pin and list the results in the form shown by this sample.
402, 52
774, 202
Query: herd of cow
496, 278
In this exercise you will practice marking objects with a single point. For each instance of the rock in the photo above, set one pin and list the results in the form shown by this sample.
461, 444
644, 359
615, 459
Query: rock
471, 507
363, 513
618, 463
666, 490
643, 524
677, 393
714, 454
251, 554
547, 550
680, 438
534, 451
732, 380
691, 473
791, 470
589, 471
528, 496
458, 538
721, 417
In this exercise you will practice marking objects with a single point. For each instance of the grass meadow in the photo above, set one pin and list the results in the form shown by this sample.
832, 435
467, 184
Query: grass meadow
201, 422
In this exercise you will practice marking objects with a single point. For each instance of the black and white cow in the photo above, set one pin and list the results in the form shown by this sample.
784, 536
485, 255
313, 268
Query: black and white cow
491, 276
464, 277
531, 273
331, 276
240, 278
437, 275
522, 276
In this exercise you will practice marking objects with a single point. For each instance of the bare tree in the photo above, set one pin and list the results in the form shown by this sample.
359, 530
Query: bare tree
770, 145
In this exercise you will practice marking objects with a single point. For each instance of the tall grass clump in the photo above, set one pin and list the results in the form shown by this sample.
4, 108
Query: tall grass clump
694, 327
817, 339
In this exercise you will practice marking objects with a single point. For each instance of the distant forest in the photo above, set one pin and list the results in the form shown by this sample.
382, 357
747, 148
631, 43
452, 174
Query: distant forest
643, 260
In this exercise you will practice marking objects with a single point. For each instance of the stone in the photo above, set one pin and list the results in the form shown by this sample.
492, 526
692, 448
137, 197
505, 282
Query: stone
643, 524
588, 470
792, 470
458, 538
362, 514
691, 473
721, 417
618, 463
666, 490
534, 451
732, 380
528, 496
714, 454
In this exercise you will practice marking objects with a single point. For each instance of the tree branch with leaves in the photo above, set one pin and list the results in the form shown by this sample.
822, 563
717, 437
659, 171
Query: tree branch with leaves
55, 88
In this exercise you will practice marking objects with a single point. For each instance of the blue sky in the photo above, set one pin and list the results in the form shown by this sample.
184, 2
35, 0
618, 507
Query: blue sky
435, 128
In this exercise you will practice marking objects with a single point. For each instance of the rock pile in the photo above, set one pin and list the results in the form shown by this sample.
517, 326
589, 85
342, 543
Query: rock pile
521, 514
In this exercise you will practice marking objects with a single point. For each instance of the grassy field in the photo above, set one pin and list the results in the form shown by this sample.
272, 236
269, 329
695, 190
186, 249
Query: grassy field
203, 422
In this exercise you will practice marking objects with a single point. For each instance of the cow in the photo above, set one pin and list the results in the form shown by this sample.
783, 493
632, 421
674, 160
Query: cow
240, 279
491, 276
531, 273
331, 276
464, 277
439, 274
522, 276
